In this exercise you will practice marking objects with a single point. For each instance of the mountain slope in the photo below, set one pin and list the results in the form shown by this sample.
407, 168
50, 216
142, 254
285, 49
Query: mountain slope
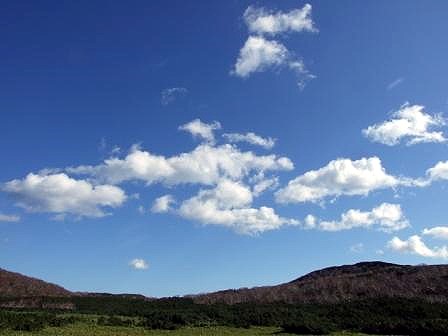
18, 285
365, 280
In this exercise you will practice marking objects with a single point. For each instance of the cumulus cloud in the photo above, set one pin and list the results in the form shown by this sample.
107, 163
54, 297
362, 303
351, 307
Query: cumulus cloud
386, 217
9, 218
233, 179
415, 245
206, 164
411, 124
139, 264
251, 138
438, 172
259, 54
228, 204
262, 21
438, 232
170, 95
162, 204
59, 193
199, 129
338, 177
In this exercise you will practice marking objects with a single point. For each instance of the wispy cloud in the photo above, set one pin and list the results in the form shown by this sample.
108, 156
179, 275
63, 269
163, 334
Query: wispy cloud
395, 83
169, 95
251, 138
9, 218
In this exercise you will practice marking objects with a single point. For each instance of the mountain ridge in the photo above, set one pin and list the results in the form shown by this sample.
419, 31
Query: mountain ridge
363, 280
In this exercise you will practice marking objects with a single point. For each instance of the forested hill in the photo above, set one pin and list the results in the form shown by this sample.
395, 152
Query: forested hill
366, 280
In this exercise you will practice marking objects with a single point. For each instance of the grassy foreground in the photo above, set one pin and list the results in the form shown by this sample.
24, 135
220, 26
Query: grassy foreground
88, 329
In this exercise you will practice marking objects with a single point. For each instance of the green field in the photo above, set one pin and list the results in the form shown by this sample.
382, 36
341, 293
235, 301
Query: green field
87, 329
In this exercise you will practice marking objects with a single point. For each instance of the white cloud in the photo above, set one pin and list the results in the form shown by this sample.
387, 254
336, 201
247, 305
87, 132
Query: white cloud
9, 218
259, 54
386, 217
338, 177
162, 204
170, 95
251, 138
201, 130
301, 72
58, 193
206, 165
438, 232
228, 204
262, 21
415, 245
139, 264
409, 123
438, 172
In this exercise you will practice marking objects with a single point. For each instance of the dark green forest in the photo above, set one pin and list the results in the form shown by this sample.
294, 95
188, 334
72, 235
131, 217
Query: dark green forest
379, 316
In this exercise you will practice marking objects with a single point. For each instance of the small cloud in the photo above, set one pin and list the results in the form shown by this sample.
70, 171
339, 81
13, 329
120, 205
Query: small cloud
141, 209
415, 245
395, 83
162, 204
357, 248
259, 54
139, 264
261, 21
198, 129
168, 96
385, 217
9, 218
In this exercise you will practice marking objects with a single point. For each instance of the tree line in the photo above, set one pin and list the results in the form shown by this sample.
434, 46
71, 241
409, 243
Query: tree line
374, 316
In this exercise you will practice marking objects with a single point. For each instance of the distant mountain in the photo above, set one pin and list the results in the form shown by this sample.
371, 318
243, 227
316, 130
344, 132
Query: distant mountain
366, 280
18, 285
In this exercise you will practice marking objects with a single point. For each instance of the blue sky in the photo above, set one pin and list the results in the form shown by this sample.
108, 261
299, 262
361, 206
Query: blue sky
169, 147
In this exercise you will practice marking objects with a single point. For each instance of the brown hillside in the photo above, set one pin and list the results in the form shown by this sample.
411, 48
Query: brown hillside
18, 285
347, 283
